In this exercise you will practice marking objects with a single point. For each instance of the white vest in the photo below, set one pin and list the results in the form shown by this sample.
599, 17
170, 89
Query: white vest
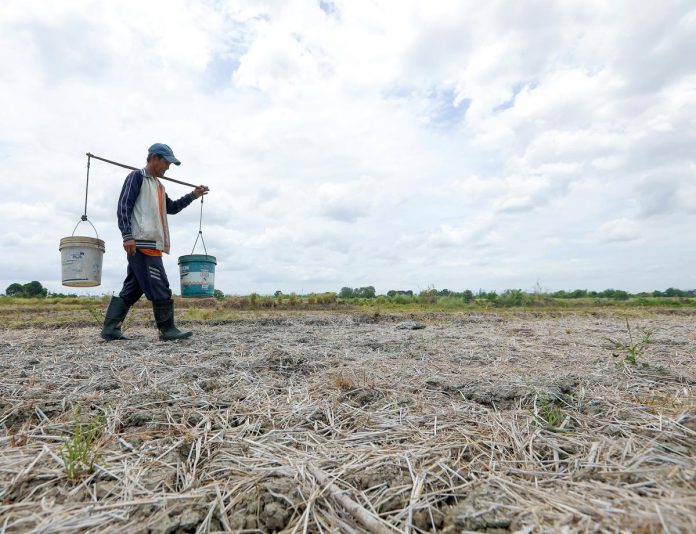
149, 219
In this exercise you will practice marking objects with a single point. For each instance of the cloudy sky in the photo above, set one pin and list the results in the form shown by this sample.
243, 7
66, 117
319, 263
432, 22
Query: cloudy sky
400, 144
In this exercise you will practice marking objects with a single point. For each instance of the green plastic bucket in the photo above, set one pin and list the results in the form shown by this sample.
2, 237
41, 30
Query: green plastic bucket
197, 275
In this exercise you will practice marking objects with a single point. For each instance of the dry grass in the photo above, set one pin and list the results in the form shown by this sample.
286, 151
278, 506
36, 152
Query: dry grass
325, 423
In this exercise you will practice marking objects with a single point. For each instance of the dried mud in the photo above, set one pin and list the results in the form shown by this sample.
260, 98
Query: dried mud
453, 423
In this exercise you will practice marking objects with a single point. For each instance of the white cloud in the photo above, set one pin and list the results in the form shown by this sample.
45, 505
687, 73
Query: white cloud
618, 230
472, 234
362, 142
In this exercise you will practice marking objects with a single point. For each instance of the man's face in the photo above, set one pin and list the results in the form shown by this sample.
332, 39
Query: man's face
160, 166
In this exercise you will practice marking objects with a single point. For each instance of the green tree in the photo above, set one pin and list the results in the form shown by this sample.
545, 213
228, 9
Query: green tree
14, 290
346, 293
394, 292
34, 289
364, 292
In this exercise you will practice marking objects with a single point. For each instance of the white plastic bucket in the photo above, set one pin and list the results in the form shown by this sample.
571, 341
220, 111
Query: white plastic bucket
81, 260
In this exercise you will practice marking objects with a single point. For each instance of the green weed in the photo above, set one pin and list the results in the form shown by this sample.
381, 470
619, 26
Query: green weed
548, 414
79, 451
635, 347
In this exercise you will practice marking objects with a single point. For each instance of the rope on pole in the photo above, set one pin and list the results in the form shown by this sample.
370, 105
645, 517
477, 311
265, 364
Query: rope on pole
84, 215
200, 231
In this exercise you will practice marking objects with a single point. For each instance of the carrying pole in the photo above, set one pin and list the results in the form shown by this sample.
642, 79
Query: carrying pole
89, 155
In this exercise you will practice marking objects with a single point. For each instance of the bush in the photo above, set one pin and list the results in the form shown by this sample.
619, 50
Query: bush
402, 298
452, 302
326, 298
512, 297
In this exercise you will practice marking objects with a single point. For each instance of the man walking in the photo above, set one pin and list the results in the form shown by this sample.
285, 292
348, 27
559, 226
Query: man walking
142, 218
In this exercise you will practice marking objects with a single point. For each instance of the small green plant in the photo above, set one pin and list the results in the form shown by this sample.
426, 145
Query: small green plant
96, 315
549, 415
636, 345
79, 451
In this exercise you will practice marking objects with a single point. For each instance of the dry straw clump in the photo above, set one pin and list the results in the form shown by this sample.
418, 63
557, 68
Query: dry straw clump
328, 423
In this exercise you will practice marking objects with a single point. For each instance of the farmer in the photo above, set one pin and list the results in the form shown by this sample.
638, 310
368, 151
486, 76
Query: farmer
142, 218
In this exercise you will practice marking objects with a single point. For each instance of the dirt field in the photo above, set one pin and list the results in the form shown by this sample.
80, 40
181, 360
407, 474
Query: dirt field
350, 423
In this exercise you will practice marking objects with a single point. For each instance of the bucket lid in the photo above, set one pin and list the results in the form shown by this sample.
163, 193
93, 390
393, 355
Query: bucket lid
197, 257
81, 241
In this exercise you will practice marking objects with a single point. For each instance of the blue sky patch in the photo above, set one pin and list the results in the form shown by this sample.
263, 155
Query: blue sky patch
444, 113
516, 90
218, 73
327, 7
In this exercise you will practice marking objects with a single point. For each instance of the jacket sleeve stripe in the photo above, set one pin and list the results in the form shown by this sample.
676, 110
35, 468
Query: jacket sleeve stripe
129, 194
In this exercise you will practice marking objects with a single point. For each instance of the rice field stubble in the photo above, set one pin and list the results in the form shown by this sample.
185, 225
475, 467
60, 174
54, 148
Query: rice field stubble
345, 422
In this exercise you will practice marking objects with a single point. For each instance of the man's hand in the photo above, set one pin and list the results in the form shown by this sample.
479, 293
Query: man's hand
200, 191
129, 247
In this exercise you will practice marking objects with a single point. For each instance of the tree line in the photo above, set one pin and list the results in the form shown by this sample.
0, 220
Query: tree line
513, 294
35, 289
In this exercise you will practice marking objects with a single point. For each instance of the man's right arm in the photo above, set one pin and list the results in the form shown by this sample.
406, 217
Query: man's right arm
126, 202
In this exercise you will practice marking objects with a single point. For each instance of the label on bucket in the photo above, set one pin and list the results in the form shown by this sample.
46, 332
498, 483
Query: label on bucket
197, 278
74, 261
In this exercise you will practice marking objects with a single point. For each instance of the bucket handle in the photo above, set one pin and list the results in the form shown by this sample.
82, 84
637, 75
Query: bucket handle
84, 219
200, 233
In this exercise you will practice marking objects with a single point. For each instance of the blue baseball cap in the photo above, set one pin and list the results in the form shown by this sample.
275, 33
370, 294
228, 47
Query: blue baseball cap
164, 151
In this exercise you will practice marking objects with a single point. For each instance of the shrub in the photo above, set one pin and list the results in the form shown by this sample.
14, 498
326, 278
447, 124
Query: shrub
511, 297
326, 298
402, 298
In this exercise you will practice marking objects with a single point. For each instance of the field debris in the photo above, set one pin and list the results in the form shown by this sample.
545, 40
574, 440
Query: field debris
491, 422
410, 325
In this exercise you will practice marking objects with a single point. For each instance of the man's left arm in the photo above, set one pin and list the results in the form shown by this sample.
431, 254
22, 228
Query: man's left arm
175, 206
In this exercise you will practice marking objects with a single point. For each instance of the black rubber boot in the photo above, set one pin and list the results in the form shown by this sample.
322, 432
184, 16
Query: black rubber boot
164, 317
115, 314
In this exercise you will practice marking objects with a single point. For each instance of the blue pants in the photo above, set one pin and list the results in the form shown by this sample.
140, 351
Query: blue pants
145, 275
